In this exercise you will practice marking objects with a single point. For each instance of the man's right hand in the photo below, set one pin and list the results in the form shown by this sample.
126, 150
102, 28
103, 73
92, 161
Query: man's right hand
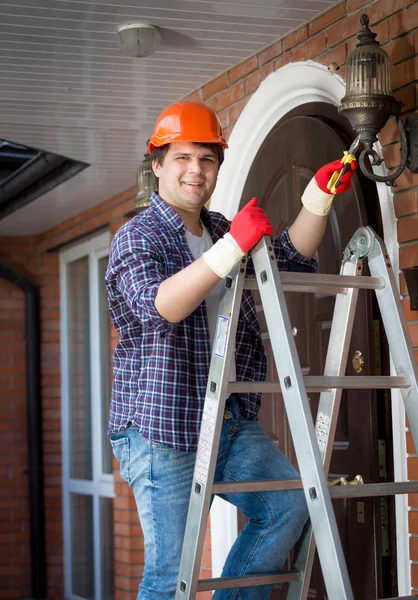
249, 225
247, 228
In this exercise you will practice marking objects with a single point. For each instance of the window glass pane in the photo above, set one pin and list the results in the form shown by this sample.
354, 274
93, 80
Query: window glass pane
105, 358
79, 369
82, 551
108, 574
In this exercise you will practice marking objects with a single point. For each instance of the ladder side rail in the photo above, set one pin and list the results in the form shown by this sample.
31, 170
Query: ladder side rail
301, 423
399, 339
327, 414
207, 452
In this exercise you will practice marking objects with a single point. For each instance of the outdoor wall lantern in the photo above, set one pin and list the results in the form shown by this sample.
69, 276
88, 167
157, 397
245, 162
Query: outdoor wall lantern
146, 184
369, 103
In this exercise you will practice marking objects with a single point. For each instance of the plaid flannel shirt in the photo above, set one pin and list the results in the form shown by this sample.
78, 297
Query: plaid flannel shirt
161, 368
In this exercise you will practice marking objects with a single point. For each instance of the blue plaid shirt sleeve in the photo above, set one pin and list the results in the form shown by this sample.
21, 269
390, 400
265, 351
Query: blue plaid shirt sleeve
139, 270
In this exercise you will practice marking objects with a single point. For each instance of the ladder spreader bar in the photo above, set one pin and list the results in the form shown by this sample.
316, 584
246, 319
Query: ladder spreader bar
226, 487
321, 282
324, 383
223, 583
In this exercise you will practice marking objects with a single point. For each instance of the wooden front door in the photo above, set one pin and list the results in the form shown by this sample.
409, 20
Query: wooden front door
291, 154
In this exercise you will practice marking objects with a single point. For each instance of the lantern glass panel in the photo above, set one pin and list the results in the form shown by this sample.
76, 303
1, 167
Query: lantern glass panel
369, 72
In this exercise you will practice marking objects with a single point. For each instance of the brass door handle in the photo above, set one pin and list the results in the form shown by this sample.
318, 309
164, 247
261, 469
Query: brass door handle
358, 480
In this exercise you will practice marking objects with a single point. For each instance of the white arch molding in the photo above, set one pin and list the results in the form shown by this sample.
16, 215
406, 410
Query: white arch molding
282, 91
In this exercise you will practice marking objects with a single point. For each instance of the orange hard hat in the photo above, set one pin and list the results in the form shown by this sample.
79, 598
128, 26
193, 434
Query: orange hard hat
186, 122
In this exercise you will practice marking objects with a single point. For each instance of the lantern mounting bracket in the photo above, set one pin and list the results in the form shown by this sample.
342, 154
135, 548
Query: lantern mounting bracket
409, 153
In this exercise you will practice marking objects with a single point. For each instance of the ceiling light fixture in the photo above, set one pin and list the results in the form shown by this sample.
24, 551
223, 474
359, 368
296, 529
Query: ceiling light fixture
138, 39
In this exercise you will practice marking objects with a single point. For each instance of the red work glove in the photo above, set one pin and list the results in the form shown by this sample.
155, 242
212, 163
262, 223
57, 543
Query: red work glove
324, 174
249, 225
317, 198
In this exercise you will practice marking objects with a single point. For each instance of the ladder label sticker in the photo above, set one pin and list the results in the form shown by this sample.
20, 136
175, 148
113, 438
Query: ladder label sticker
221, 336
322, 430
207, 431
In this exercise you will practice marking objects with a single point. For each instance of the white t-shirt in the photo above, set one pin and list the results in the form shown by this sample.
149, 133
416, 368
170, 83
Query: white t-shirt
197, 246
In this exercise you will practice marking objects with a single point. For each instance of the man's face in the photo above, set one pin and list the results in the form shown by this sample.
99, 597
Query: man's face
187, 177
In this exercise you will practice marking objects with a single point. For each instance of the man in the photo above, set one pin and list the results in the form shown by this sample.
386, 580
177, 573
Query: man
164, 278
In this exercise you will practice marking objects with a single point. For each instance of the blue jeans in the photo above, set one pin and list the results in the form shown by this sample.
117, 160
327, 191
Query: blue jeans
161, 480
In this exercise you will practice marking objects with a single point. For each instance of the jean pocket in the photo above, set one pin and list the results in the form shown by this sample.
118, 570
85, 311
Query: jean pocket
121, 450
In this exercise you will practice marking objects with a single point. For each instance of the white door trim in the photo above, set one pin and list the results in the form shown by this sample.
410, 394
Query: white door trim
281, 92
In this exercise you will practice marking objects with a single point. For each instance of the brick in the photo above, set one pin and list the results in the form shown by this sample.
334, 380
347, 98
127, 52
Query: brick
400, 49
243, 69
405, 181
224, 118
328, 18
408, 256
412, 465
270, 53
406, 203
408, 229
309, 49
353, 5
413, 331
408, 97
236, 109
401, 23
413, 548
215, 86
252, 82
230, 96
337, 55
196, 96
405, 72
344, 29
413, 521
296, 37
385, 8
389, 133
281, 61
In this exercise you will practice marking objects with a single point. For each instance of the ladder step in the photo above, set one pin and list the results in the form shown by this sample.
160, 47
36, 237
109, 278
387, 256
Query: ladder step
336, 492
324, 383
223, 583
373, 489
256, 486
321, 283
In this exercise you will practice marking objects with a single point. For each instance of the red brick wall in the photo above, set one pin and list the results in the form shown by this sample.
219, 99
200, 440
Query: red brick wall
327, 39
15, 569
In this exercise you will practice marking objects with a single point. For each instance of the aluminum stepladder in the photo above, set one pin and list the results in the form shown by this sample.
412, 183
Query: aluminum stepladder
312, 442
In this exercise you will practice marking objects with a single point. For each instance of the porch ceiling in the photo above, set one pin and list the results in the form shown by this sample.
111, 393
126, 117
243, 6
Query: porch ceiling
65, 86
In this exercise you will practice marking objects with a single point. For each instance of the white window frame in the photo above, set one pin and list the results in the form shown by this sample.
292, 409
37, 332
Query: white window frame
101, 484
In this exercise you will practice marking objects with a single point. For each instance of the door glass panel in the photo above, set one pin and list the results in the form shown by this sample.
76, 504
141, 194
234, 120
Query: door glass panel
82, 550
104, 333
79, 368
108, 575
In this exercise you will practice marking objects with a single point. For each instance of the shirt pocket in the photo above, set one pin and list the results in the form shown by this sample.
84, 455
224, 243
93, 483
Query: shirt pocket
121, 449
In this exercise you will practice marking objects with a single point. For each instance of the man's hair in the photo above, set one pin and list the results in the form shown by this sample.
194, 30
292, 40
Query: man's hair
158, 154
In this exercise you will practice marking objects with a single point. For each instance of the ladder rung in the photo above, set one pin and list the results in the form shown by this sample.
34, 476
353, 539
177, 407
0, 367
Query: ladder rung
343, 491
324, 383
322, 283
223, 583
256, 486
373, 489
